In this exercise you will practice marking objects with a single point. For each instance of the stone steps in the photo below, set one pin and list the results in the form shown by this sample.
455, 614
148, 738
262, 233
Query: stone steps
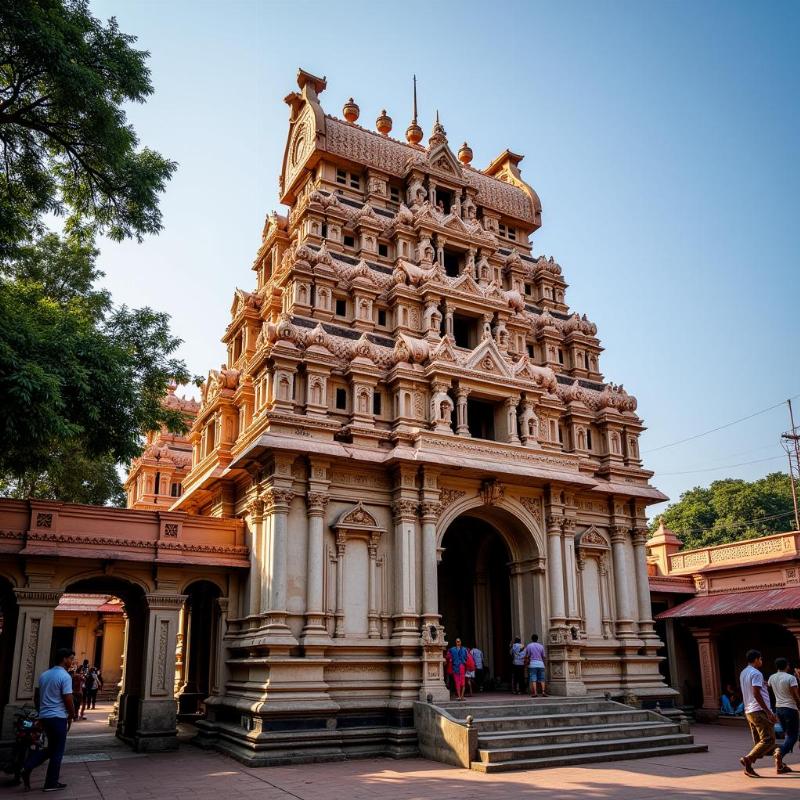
534, 734
572, 735
588, 758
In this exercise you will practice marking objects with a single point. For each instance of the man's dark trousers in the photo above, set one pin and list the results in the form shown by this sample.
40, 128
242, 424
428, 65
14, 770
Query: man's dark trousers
56, 730
789, 722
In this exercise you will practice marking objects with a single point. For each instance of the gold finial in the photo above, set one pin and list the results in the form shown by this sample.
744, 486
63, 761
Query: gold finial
465, 153
414, 132
383, 123
351, 110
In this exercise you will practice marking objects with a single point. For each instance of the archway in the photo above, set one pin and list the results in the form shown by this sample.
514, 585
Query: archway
8, 632
124, 716
195, 676
475, 591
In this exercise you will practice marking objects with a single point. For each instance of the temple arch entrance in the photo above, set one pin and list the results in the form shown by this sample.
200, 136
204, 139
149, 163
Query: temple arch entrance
126, 712
490, 585
8, 632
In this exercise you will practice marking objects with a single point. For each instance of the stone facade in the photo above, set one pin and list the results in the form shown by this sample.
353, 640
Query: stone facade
404, 379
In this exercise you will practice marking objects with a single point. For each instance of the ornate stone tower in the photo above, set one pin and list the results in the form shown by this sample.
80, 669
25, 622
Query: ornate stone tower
416, 430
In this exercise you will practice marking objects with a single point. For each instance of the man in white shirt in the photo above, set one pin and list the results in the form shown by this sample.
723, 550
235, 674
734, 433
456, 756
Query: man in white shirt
477, 655
758, 712
787, 703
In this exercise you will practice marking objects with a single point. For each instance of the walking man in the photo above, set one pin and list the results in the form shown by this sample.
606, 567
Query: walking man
459, 656
757, 710
477, 655
517, 666
56, 711
787, 703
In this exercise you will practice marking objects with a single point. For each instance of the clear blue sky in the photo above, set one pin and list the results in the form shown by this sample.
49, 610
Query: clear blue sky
662, 138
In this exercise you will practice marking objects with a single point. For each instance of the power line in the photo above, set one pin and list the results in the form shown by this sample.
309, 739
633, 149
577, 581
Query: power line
738, 525
719, 428
727, 466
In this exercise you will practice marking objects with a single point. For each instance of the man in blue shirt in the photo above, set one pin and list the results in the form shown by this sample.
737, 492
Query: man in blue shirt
56, 712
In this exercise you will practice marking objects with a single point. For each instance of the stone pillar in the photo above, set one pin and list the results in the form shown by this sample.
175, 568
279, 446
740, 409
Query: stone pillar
573, 612
156, 728
448, 320
555, 572
604, 596
645, 619
709, 672
315, 612
404, 512
373, 615
462, 420
255, 542
511, 404
625, 612
430, 588
31, 648
341, 543
277, 506
220, 678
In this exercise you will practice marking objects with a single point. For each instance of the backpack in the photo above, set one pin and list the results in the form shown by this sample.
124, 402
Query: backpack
470, 662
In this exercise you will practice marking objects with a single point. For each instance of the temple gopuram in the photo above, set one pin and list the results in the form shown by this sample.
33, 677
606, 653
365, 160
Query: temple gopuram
415, 428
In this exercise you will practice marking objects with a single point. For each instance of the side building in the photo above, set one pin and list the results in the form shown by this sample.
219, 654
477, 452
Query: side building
415, 429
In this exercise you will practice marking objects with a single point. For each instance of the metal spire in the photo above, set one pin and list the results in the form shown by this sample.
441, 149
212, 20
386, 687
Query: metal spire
415, 100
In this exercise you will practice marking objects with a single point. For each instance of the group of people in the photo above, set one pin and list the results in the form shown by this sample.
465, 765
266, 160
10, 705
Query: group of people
528, 667
465, 669
65, 692
761, 718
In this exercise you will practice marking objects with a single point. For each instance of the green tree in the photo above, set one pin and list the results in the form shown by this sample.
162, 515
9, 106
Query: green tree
731, 509
67, 147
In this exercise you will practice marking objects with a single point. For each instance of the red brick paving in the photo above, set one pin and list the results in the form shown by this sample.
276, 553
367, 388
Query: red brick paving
192, 774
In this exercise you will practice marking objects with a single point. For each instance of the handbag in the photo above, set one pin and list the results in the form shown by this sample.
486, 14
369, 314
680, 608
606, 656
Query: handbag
470, 662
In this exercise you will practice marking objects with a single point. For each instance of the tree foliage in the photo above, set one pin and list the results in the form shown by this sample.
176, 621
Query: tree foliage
78, 376
67, 147
731, 509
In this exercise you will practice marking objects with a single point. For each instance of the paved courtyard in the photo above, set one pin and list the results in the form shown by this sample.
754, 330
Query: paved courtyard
94, 771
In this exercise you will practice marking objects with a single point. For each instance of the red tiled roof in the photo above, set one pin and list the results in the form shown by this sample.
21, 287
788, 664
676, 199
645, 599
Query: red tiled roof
716, 605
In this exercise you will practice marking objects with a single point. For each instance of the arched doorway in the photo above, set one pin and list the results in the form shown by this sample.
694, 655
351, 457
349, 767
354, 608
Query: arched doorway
124, 716
195, 676
8, 632
491, 582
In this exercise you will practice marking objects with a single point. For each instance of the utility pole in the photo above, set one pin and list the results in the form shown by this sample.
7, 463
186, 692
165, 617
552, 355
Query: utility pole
791, 444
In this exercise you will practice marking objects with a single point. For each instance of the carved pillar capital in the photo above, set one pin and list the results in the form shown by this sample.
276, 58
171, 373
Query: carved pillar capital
639, 536
554, 523
277, 499
37, 597
430, 510
316, 502
619, 534
404, 510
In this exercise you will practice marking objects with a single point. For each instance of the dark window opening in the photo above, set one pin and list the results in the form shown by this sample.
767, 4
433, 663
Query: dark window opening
383, 250
588, 440
341, 308
376, 404
480, 417
560, 435
324, 230
157, 484
585, 362
465, 331
512, 234
560, 356
444, 199
355, 182
381, 316
175, 490
349, 241
341, 176
394, 194
452, 263
341, 399
528, 288
531, 351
